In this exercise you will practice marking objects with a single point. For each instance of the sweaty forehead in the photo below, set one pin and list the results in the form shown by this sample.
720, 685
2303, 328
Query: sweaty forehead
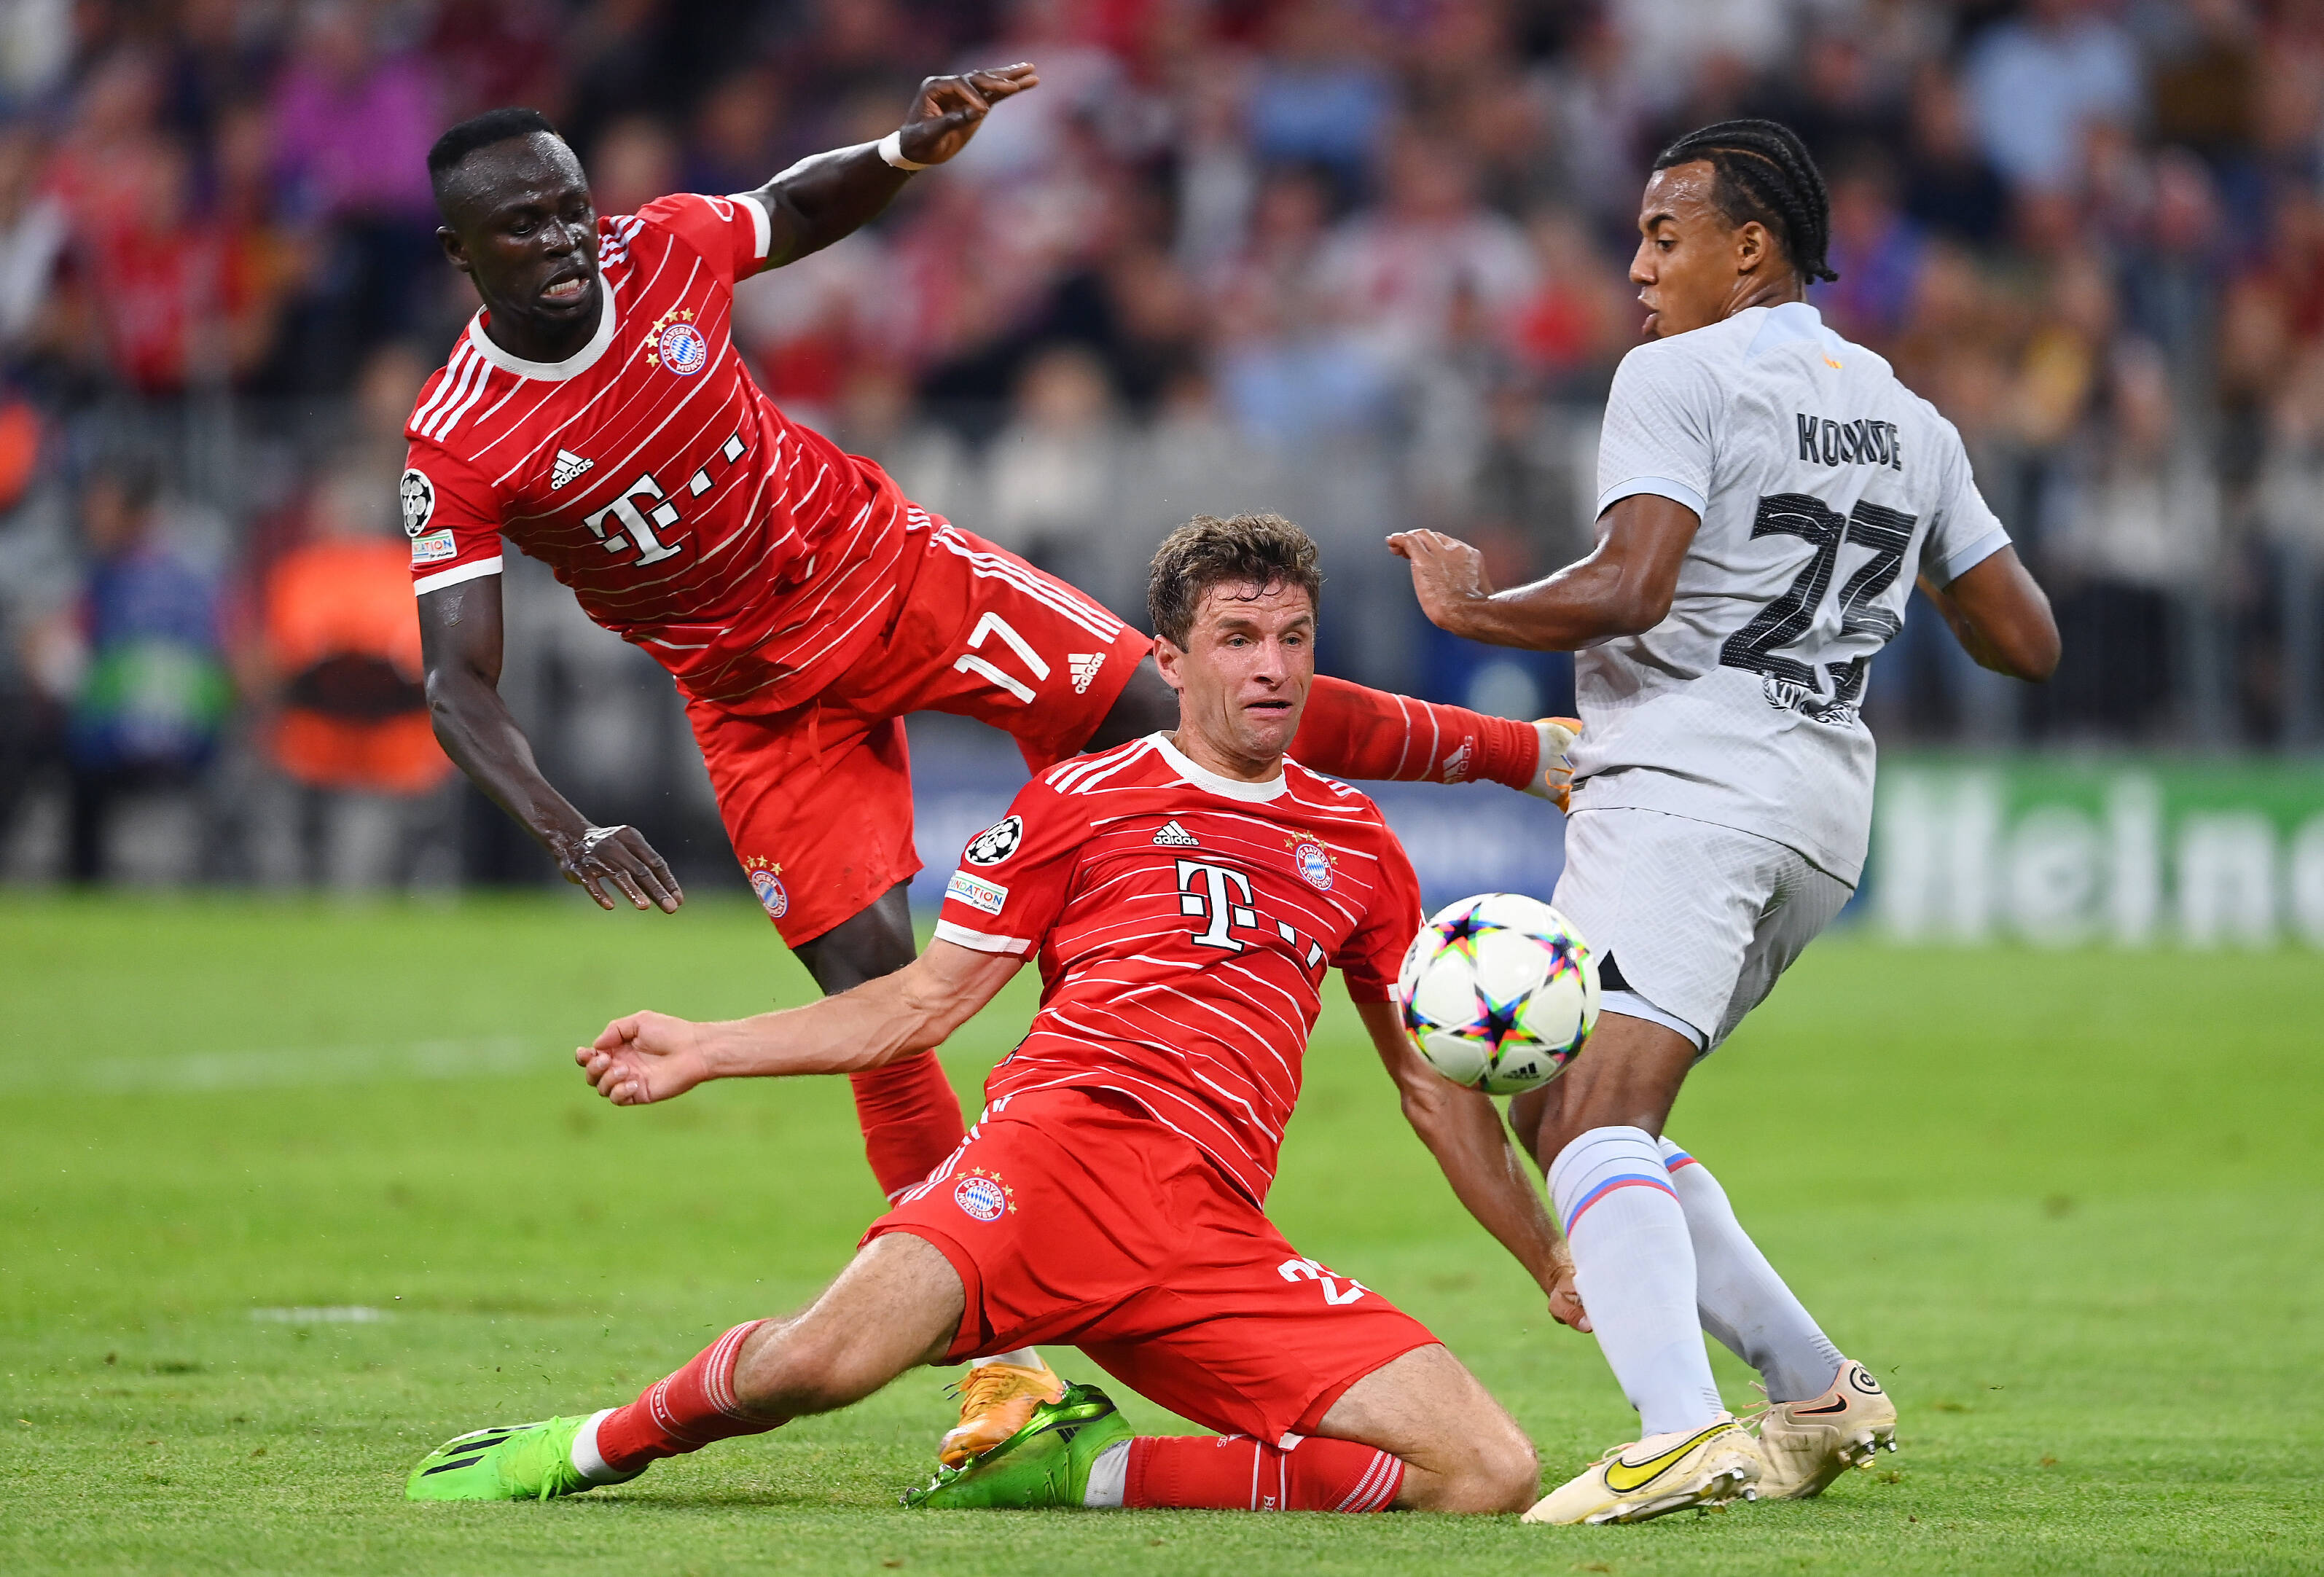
1275, 601
536, 166
1681, 192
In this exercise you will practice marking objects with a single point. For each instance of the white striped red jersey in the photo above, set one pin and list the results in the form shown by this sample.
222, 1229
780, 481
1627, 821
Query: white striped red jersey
749, 555
1183, 923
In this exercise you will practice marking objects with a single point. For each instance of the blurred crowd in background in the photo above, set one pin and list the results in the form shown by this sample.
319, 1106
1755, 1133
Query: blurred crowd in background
1359, 259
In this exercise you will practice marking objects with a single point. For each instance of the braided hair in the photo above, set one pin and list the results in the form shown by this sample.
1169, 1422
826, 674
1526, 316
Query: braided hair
1764, 172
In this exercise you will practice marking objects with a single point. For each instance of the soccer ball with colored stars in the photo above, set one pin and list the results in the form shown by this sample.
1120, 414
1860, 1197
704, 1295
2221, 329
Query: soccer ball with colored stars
1499, 993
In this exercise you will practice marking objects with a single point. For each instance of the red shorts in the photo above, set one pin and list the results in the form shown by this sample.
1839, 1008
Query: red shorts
817, 800
1073, 1216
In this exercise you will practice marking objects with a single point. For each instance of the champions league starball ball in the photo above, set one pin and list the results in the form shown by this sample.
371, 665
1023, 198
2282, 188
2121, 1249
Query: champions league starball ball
1499, 993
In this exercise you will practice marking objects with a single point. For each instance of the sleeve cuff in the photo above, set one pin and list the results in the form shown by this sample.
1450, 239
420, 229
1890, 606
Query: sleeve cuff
1963, 560
762, 229
960, 936
1661, 486
456, 575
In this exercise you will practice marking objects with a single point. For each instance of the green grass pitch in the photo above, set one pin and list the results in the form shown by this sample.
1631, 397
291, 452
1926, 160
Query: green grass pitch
2068, 1206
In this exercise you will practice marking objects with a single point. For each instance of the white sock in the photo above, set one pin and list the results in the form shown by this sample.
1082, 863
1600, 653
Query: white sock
1022, 1358
585, 1459
1634, 1266
1109, 1479
1741, 1299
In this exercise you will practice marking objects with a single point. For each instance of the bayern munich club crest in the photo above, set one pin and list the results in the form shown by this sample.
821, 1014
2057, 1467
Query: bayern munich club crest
1315, 865
682, 349
767, 881
982, 1196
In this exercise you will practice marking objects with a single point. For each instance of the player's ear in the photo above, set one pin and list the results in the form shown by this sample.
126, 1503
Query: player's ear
1167, 655
1752, 246
449, 240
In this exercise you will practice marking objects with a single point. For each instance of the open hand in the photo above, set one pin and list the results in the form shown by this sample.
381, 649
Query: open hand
602, 861
644, 1058
949, 109
1447, 574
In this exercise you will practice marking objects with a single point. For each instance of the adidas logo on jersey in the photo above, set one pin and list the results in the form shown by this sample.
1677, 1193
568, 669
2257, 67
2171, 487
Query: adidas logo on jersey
1084, 666
568, 465
1456, 765
1173, 836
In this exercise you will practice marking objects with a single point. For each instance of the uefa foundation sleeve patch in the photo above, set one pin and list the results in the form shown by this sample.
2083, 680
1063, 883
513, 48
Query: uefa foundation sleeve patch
976, 892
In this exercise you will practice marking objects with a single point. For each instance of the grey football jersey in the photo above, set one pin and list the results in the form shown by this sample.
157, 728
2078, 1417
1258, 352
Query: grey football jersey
1824, 487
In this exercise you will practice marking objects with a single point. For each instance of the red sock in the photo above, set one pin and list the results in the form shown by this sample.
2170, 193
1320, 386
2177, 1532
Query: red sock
911, 1120
685, 1411
1351, 732
1234, 1472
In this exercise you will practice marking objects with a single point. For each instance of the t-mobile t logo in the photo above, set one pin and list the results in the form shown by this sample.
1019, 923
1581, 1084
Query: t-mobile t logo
1206, 891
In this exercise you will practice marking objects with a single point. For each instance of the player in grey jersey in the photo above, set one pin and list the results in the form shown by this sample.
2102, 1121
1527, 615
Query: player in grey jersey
1769, 494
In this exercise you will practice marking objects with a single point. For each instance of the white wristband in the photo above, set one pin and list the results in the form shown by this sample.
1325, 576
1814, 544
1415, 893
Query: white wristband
892, 149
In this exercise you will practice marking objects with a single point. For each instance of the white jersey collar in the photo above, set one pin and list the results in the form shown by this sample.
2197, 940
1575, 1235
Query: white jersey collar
1202, 777
1790, 321
579, 362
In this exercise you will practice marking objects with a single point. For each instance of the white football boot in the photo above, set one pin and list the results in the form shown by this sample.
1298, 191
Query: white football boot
1808, 1444
1659, 1475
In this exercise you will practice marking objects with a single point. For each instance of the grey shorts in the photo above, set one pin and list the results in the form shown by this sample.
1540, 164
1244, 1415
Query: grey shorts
1699, 920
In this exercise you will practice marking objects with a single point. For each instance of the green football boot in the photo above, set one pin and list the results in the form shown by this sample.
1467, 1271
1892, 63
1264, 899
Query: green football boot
514, 1462
1045, 1463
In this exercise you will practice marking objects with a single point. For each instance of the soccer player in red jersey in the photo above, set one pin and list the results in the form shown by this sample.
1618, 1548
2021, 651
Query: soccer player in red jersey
1184, 895
596, 415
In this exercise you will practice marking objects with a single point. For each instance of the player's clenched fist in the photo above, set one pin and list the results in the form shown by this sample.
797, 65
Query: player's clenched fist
645, 1057
1447, 573
1565, 1302
949, 109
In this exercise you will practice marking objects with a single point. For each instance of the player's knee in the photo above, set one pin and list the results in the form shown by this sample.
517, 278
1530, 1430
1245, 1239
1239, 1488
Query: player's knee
1499, 1473
1509, 1475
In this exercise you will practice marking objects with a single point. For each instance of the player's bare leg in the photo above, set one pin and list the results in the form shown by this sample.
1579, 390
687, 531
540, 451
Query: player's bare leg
1417, 1433
1460, 1449
897, 1305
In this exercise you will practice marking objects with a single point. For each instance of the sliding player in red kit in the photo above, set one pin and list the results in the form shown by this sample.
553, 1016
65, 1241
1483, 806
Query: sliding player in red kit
1185, 895
596, 415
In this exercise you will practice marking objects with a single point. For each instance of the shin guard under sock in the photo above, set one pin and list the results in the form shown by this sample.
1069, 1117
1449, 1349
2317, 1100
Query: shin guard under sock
1351, 732
684, 1412
1234, 1472
1634, 1266
1740, 1297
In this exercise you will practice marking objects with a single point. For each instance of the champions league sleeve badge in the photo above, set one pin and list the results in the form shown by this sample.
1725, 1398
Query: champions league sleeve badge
418, 496
996, 842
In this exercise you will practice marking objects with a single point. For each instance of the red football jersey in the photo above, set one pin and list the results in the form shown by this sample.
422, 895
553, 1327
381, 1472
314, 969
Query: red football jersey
749, 555
1184, 922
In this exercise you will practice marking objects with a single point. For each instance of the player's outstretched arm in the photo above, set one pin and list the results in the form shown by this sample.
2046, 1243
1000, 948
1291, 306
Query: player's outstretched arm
1623, 587
460, 648
819, 199
2000, 616
652, 1056
1463, 1131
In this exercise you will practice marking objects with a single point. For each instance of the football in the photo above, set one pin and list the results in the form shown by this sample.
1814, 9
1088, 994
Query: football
1499, 993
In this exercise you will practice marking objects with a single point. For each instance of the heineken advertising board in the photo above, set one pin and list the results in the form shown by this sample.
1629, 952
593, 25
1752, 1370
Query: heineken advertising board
2061, 850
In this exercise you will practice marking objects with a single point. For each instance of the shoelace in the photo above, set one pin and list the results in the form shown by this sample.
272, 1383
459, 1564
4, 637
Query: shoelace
992, 1385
